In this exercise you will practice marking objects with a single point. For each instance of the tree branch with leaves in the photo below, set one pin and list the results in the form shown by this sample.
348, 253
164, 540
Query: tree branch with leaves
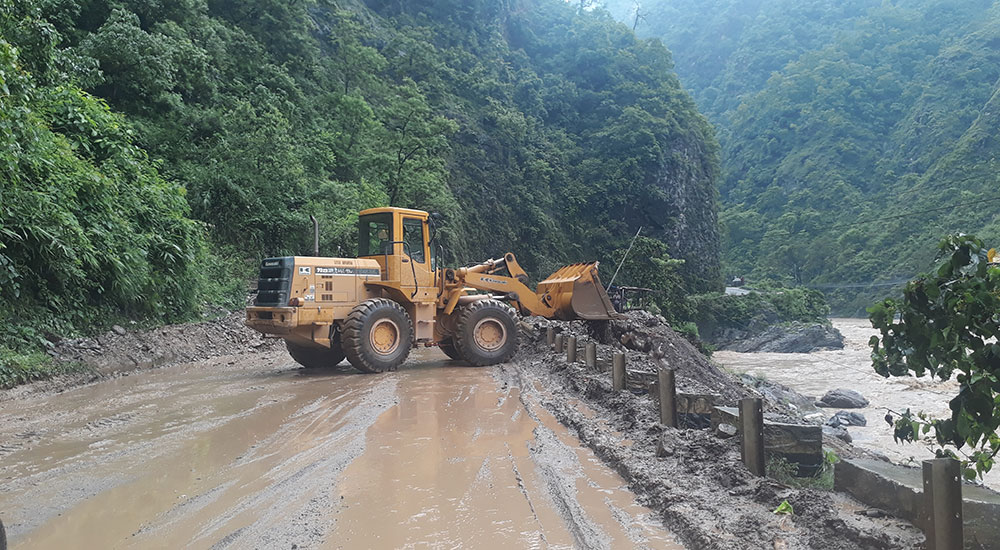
947, 325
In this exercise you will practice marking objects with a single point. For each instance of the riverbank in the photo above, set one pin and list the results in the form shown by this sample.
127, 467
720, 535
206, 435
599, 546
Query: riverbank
814, 374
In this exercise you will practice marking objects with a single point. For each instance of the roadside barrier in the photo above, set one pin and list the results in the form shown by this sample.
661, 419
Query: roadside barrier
943, 504
618, 374
590, 355
752, 422
668, 397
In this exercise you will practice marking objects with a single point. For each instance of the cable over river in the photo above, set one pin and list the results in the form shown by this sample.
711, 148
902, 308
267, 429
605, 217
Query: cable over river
250, 451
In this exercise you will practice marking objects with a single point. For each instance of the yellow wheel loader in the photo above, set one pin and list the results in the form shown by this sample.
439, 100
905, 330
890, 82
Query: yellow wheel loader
393, 297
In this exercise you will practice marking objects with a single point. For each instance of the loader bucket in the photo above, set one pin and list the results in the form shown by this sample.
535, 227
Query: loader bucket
575, 292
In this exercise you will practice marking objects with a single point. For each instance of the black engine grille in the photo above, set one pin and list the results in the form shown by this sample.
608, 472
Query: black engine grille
274, 282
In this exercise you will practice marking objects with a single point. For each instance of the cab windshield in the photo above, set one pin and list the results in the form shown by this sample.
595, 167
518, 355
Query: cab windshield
375, 234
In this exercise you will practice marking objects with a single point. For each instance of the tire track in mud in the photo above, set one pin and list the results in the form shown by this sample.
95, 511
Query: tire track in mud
563, 469
700, 490
174, 454
253, 452
307, 479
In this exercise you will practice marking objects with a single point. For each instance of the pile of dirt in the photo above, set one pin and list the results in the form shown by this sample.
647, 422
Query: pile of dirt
120, 350
651, 334
696, 480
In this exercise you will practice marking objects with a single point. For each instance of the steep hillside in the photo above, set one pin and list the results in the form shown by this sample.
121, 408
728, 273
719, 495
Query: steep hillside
530, 126
849, 130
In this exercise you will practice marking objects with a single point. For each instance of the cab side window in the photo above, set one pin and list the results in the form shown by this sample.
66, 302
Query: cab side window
413, 235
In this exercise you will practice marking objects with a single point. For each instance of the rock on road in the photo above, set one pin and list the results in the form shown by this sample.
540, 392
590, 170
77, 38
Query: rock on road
251, 452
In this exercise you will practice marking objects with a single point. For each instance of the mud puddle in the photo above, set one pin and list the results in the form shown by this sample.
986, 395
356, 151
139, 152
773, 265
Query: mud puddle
813, 374
250, 451
461, 462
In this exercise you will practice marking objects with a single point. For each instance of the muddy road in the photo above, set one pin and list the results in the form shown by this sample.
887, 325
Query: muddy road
249, 451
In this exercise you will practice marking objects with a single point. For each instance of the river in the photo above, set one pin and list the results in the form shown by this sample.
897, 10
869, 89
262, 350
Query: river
813, 374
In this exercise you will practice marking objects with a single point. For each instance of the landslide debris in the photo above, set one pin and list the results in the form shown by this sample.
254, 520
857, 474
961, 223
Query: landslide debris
119, 350
693, 478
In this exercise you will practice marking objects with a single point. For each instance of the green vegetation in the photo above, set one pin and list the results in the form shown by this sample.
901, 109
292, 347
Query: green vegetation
89, 227
20, 368
714, 312
780, 469
854, 134
947, 326
154, 151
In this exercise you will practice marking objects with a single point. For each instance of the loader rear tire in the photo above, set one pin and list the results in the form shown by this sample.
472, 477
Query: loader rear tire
448, 347
487, 333
315, 358
377, 335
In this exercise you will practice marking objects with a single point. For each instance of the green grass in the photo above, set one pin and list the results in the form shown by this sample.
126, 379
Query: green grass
784, 472
21, 368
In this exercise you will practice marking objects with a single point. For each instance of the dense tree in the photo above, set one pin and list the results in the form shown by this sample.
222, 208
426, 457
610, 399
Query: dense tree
852, 111
532, 126
88, 227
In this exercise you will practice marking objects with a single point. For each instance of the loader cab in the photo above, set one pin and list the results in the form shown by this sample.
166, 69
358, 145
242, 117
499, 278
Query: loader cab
398, 239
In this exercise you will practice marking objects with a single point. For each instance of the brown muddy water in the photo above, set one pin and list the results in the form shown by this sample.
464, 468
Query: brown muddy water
813, 374
250, 451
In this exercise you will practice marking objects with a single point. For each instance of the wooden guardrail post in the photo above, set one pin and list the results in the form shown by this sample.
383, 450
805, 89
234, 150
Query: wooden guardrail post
668, 397
752, 426
943, 504
571, 349
618, 372
590, 355
559, 343
550, 337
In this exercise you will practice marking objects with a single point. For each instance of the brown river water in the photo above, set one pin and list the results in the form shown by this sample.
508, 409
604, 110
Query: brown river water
251, 452
813, 374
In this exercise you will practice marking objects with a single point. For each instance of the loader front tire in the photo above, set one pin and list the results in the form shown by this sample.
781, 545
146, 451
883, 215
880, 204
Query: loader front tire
315, 358
487, 333
377, 335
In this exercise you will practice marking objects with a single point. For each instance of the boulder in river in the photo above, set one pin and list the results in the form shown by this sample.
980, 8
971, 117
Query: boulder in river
846, 418
839, 433
843, 399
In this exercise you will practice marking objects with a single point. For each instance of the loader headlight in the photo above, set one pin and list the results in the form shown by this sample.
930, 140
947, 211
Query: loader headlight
295, 302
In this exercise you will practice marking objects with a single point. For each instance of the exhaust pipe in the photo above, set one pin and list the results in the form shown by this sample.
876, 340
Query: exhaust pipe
315, 235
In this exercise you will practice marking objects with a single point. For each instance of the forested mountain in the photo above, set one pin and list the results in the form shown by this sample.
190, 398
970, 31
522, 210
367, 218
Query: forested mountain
152, 150
832, 114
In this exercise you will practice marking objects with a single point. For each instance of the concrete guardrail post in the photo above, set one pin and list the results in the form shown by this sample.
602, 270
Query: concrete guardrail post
752, 426
618, 372
550, 337
559, 343
571, 349
943, 504
590, 355
668, 397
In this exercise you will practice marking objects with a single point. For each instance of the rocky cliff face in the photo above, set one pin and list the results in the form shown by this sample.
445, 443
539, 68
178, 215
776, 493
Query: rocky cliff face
571, 134
693, 233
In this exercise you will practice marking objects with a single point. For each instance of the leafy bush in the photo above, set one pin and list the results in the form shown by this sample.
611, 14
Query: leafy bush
89, 227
